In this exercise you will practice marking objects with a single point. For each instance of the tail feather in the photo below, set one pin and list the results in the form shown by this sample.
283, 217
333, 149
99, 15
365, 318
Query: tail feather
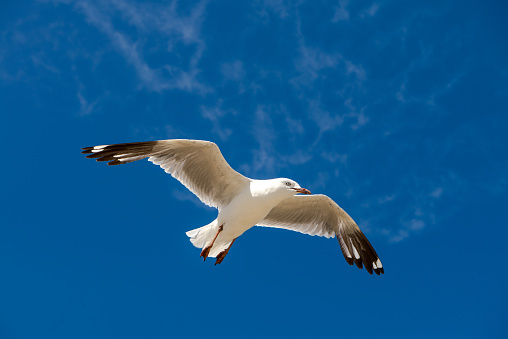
201, 237
218, 247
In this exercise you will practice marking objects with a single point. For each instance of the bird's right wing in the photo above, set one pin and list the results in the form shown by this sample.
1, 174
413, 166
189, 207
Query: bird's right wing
197, 164
320, 215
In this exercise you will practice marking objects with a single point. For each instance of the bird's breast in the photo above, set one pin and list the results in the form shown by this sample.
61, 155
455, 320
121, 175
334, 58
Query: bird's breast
244, 212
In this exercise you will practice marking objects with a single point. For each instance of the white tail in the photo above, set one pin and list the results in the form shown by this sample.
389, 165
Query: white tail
201, 237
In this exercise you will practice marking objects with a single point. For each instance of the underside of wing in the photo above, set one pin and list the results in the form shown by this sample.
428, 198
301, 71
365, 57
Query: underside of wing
320, 215
304, 214
199, 165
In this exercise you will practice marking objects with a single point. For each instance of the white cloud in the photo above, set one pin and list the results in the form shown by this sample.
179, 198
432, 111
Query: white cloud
147, 18
341, 13
174, 133
437, 192
38, 61
279, 7
361, 118
233, 70
385, 199
86, 107
294, 126
416, 224
413, 225
357, 70
127, 48
319, 181
264, 158
298, 158
215, 114
310, 62
333, 157
322, 118
163, 18
399, 236
185, 195
371, 11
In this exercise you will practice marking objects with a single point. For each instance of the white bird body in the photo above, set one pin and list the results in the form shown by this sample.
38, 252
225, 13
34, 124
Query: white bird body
252, 204
243, 202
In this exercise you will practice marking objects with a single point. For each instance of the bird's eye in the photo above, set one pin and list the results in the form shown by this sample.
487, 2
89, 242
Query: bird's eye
288, 183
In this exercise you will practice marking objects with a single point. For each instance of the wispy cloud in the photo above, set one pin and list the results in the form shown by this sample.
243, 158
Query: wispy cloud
371, 11
357, 70
185, 195
341, 12
410, 226
176, 28
149, 77
265, 156
437, 192
310, 62
38, 61
329, 102
86, 107
334, 157
235, 72
294, 126
324, 119
314, 63
279, 7
215, 115
398, 236
357, 114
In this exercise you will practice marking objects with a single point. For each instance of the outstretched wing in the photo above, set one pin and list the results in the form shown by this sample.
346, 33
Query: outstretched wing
320, 215
199, 165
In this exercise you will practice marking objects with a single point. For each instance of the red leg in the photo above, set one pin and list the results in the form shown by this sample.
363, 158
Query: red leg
222, 254
206, 250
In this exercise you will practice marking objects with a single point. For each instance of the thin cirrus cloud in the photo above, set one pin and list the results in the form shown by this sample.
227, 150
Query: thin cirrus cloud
148, 19
341, 12
216, 115
333, 103
394, 109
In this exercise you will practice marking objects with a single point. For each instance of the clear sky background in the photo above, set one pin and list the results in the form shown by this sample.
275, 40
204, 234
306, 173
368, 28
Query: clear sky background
395, 109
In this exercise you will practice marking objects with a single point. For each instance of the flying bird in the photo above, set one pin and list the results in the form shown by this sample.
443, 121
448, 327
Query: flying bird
243, 202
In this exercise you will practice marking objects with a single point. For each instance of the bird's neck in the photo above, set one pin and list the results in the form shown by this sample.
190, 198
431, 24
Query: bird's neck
267, 191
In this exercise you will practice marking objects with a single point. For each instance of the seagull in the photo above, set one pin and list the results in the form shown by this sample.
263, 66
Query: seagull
242, 202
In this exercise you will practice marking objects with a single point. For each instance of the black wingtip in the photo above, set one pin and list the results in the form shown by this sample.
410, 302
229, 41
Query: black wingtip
86, 150
367, 255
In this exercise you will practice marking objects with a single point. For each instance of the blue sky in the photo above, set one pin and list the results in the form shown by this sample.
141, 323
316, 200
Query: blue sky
395, 109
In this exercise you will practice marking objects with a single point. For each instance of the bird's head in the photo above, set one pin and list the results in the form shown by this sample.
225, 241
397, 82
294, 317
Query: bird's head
291, 186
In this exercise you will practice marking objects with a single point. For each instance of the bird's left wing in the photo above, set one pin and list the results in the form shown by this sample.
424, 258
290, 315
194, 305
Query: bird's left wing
320, 215
197, 164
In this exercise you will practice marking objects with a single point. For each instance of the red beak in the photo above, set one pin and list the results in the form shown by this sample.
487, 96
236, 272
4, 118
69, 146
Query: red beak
302, 190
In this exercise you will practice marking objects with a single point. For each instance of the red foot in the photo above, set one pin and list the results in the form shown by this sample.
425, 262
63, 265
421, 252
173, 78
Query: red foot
205, 252
223, 254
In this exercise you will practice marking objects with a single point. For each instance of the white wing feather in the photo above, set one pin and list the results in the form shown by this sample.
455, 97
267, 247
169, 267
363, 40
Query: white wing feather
198, 165
320, 215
